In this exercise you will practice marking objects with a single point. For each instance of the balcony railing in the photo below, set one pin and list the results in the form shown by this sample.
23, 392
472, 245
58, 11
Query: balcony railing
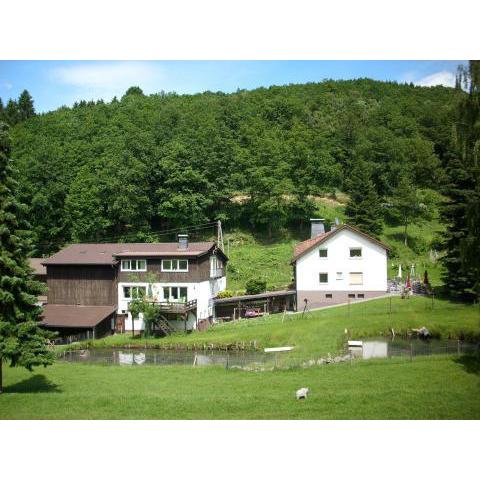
177, 307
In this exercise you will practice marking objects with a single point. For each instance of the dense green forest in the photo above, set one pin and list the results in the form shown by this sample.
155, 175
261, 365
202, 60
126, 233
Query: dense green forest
258, 159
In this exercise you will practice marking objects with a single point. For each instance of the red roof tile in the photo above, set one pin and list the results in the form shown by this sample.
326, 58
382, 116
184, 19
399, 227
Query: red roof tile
307, 245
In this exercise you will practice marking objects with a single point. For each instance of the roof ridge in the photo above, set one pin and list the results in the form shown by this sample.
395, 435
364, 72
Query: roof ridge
305, 246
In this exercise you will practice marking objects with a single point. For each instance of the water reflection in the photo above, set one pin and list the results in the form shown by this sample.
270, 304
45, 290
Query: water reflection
381, 348
163, 357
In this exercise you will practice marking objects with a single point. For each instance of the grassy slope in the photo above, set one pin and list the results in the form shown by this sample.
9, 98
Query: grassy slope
253, 257
441, 387
322, 331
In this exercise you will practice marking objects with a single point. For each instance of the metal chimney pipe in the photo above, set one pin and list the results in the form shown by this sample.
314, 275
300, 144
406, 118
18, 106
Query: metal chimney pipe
318, 226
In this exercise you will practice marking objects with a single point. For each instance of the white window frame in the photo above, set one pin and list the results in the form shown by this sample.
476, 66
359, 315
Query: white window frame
215, 265
323, 250
130, 263
131, 287
356, 257
319, 281
172, 269
350, 279
170, 297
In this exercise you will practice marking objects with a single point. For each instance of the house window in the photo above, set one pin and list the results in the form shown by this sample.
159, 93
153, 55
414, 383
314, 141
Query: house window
356, 278
328, 295
360, 295
134, 292
351, 295
175, 294
323, 277
339, 275
134, 266
355, 253
216, 267
174, 265
323, 252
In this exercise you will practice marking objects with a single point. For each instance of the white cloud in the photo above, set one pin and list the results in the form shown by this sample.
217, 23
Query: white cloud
106, 79
444, 78
6, 85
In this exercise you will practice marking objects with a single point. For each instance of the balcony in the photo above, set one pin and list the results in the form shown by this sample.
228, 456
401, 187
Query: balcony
177, 307
216, 273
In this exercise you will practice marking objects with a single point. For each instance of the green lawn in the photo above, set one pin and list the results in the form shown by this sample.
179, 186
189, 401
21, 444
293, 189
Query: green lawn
322, 331
426, 388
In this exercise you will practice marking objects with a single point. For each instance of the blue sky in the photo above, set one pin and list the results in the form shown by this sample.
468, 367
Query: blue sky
56, 83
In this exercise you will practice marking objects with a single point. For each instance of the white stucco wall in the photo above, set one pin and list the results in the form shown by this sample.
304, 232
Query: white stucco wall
373, 265
203, 292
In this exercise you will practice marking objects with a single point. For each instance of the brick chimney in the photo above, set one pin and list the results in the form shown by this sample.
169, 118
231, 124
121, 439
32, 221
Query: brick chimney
182, 242
318, 226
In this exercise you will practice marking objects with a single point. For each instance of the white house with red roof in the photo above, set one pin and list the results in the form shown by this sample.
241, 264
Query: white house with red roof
338, 266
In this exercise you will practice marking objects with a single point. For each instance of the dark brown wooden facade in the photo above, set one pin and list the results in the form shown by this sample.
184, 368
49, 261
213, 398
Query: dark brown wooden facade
198, 271
82, 284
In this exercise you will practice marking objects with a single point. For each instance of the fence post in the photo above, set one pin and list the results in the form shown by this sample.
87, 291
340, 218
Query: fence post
411, 351
226, 365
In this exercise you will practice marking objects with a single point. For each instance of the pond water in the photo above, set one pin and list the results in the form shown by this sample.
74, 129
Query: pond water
371, 348
381, 348
162, 357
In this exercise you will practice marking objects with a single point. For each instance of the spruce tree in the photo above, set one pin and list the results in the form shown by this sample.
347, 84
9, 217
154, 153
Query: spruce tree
22, 341
462, 210
2, 110
11, 112
25, 106
364, 209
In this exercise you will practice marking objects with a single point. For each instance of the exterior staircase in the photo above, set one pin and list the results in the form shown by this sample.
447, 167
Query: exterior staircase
164, 326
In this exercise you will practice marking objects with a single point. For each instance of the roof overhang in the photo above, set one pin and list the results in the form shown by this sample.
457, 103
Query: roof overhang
323, 238
75, 316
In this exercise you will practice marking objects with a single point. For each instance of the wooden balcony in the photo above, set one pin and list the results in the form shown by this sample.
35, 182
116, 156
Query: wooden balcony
177, 307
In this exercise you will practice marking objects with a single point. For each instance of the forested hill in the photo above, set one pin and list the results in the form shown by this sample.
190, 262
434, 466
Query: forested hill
140, 164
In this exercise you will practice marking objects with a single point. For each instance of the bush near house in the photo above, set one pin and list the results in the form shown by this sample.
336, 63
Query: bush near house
255, 285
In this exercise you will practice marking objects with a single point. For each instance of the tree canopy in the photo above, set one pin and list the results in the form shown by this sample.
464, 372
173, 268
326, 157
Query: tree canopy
126, 169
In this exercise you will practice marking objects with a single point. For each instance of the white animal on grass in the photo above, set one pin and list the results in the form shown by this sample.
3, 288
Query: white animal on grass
302, 393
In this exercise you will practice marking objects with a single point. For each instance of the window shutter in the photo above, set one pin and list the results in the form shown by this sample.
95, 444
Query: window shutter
356, 278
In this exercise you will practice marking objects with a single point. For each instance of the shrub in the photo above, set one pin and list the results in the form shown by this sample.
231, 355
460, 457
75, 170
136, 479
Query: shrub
225, 294
255, 285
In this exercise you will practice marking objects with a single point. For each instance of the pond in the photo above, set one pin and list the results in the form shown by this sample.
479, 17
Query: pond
381, 348
127, 356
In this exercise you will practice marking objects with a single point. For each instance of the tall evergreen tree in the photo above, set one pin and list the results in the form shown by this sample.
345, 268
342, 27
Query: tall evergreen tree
410, 205
2, 110
22, 341
462, 210
11, 112
25, 106
364, 209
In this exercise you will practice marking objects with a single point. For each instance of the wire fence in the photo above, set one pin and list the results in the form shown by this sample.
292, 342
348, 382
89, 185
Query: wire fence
259, 360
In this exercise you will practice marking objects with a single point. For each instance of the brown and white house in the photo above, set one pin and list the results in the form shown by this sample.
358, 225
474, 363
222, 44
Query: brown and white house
91, 285
338, 266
